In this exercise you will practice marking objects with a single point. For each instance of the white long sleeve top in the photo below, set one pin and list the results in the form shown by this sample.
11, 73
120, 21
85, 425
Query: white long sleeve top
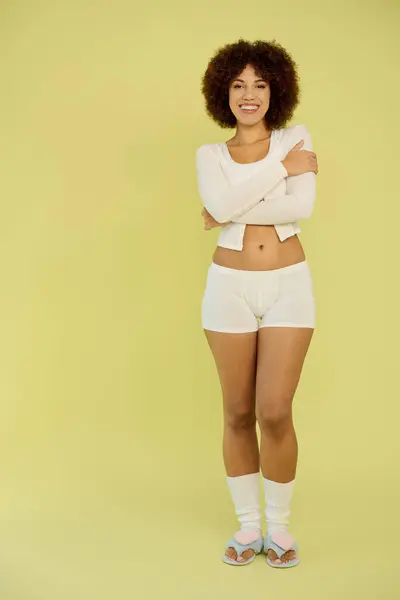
257, 193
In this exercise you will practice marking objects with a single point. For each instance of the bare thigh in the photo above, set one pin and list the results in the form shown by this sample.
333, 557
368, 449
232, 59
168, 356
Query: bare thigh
235, 356
280, 357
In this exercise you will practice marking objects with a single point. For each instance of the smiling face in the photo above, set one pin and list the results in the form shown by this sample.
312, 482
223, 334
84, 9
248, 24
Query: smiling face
249, 96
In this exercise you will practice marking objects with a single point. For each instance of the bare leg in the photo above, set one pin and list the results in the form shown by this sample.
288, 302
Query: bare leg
281, 354
235, 357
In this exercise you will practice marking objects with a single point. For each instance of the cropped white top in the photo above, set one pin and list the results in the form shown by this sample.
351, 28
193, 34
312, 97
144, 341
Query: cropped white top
257, 193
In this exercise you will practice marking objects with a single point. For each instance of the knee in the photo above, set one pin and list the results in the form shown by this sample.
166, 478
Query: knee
274, 416
238, 415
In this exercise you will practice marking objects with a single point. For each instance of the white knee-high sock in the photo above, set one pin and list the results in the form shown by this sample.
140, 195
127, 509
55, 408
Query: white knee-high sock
277, 510
245, 492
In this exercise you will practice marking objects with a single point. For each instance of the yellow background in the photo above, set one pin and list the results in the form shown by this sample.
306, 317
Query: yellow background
111, 476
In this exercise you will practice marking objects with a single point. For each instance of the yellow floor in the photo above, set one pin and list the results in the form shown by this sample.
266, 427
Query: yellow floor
112, 485
90, 529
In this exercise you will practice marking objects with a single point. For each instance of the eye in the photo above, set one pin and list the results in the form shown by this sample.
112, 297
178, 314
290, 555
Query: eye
262, 86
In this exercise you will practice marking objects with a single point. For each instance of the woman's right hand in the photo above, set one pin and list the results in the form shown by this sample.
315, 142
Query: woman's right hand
300, 161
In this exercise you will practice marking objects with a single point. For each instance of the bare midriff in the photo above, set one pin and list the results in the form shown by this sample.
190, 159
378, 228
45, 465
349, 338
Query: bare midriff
262, 248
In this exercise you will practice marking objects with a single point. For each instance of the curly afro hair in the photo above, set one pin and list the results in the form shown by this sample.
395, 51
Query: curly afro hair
270, 61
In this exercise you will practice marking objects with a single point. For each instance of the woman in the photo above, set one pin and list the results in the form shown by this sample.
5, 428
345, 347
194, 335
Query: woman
258, 309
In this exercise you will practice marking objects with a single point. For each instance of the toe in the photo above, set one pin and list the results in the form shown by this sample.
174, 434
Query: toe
285, 558
288, 556
231, 553
272, 555
247, 554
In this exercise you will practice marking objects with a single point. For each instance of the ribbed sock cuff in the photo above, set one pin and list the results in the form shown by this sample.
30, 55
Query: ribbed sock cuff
277, 497
245, 493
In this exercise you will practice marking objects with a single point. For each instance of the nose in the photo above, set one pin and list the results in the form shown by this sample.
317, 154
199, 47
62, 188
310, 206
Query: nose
248, 95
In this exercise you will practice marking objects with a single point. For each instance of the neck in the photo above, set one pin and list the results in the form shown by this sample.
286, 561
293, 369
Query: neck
250, 134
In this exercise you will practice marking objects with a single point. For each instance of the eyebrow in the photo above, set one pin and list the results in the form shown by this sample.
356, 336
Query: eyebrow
242, 80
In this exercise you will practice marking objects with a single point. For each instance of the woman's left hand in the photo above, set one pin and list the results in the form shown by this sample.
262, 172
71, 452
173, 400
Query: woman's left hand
210, 222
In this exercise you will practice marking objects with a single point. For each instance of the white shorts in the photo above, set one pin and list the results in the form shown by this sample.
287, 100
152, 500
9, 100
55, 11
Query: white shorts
238, 301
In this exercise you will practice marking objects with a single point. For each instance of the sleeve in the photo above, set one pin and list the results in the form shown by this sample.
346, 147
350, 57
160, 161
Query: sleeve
296, 204
225, 201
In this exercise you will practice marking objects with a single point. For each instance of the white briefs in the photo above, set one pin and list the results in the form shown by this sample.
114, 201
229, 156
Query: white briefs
237, 301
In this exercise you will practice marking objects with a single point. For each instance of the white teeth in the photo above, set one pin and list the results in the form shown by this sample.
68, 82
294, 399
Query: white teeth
249, 108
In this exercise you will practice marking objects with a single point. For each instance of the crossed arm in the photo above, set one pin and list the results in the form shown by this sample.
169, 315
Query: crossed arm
250, 201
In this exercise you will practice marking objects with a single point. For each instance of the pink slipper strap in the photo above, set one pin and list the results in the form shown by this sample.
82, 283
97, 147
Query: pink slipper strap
283, 539
247, 537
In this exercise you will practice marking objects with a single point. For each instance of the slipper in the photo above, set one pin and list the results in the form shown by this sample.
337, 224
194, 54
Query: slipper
241, 541
281, 542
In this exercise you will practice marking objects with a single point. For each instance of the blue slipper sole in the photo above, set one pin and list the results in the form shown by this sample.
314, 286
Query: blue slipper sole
237, 563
